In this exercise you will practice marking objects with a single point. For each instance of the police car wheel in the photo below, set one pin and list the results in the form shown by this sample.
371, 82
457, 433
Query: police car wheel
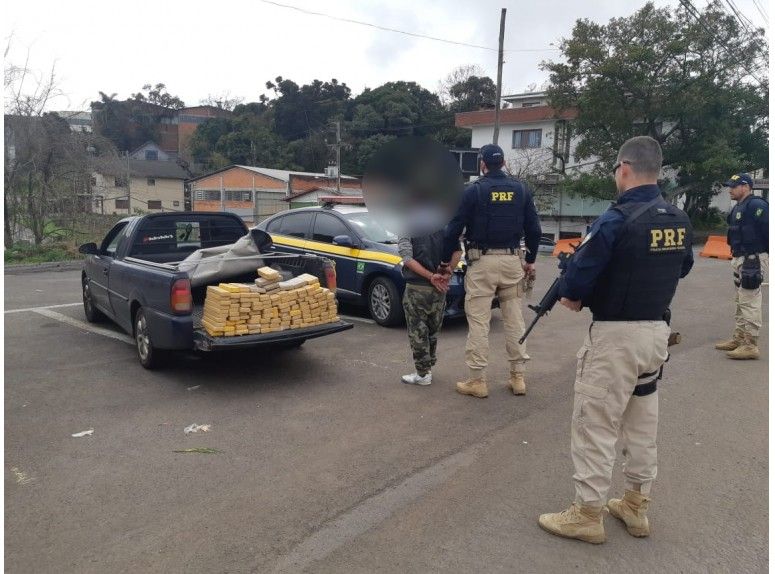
384, 302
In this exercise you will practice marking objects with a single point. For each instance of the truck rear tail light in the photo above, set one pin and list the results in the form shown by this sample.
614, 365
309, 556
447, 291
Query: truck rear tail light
180, 297
329, 269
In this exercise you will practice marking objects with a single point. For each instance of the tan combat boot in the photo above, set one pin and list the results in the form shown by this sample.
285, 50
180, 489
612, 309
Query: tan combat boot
747, 350
632, 511
731, 344
579, 521
473, 387
517, 383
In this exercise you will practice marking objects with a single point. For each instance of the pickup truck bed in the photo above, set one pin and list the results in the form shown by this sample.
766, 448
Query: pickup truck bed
205, 342
134, 278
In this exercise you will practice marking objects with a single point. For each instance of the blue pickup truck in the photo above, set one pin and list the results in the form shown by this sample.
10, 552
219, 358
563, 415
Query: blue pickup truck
134, 279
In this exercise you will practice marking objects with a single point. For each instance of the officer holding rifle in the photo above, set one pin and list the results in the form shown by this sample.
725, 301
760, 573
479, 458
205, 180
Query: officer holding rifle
626, 271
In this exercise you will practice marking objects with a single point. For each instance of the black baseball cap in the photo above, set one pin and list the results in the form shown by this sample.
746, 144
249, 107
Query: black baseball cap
491, 154
739, 179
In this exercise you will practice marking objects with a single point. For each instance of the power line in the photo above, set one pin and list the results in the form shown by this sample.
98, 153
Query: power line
690, 8
761, 11
739, 16
397, 31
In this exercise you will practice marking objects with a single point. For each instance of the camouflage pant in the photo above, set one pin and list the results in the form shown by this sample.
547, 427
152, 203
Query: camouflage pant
424, 310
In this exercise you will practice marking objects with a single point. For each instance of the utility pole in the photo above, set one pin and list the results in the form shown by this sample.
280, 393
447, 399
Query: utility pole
255, 201
128, 187
338, 146
496, 131
338, 156
223, 203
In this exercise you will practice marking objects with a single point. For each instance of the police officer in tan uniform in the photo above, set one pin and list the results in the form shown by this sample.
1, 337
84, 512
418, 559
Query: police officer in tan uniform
496, 212
748, 238
626, 271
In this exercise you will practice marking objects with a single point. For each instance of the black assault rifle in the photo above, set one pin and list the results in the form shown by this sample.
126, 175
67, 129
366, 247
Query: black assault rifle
551, 297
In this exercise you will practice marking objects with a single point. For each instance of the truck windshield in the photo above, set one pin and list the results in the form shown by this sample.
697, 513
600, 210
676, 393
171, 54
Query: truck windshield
370, 228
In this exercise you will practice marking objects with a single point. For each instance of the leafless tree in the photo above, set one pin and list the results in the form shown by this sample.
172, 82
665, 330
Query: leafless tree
46, 165
224, 100
533, 166
459, 74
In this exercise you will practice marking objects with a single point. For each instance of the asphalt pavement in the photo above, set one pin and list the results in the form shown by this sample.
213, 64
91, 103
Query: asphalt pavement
325, 462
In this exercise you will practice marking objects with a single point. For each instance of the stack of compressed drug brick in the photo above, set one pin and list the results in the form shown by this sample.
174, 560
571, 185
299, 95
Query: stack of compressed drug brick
270, 305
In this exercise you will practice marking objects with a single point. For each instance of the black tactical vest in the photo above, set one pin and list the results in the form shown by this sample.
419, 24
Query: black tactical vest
500, 214
641, 278
741, 235
427, 252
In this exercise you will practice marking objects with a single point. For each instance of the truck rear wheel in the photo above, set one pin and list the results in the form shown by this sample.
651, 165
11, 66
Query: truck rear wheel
150, 357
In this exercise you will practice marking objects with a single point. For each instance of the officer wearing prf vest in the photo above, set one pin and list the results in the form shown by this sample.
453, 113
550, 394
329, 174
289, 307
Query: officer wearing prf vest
496, 212
748, 237
626, 271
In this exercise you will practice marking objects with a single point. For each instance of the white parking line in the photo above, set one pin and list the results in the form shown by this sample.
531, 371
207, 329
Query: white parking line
44, 307
83, 325
361, 319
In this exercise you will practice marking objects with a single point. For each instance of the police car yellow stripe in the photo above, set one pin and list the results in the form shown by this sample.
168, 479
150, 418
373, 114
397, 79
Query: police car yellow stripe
337, 250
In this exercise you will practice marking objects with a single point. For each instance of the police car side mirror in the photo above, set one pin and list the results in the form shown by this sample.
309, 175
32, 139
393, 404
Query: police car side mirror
344, 241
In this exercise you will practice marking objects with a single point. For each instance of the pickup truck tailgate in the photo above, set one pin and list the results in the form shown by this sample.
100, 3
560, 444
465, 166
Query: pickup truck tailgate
205, 342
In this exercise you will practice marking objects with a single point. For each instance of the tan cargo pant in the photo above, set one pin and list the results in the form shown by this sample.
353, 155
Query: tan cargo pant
494, 274
616, 356
748, 302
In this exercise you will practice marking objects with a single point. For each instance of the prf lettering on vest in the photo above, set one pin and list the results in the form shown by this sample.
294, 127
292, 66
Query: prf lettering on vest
667, 239
501, 196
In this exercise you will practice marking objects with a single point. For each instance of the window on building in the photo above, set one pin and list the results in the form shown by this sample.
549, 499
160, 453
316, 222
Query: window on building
120, 181
122, 204
231, 195
151, 154
296, 224
175, 204
327, 227
524, 139
151, 181
154, 204
531, 104
207, 195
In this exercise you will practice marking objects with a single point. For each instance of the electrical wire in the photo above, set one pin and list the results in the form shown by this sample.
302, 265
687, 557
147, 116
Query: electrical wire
761, 11
736, 13
692, 10
397, 31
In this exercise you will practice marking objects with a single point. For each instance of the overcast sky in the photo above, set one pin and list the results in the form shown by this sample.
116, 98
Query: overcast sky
199, 47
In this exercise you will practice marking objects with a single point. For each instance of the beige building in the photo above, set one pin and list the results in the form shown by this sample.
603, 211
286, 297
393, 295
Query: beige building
153, 187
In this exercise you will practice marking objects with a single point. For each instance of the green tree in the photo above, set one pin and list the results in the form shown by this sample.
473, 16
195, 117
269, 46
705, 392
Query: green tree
300, 111
474, 93
158, 95
694, 85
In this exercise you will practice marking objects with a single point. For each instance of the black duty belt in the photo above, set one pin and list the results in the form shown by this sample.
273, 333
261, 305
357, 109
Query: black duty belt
645, 389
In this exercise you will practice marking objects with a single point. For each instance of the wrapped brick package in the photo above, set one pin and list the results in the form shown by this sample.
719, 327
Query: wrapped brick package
269, 305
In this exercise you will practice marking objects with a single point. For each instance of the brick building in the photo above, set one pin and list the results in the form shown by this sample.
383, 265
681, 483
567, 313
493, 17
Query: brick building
255, 193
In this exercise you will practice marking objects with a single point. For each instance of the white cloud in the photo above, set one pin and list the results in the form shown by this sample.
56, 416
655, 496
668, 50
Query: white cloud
199, 47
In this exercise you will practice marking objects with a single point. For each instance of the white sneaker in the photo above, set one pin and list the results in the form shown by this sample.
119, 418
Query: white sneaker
415, 379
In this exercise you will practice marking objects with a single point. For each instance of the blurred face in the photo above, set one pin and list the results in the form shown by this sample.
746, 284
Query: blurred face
738, 192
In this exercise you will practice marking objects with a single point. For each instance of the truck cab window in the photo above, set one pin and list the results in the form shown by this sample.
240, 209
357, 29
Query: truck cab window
114, 239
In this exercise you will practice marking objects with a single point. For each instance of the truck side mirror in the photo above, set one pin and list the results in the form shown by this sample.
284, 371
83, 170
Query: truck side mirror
344, 241
89, 249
